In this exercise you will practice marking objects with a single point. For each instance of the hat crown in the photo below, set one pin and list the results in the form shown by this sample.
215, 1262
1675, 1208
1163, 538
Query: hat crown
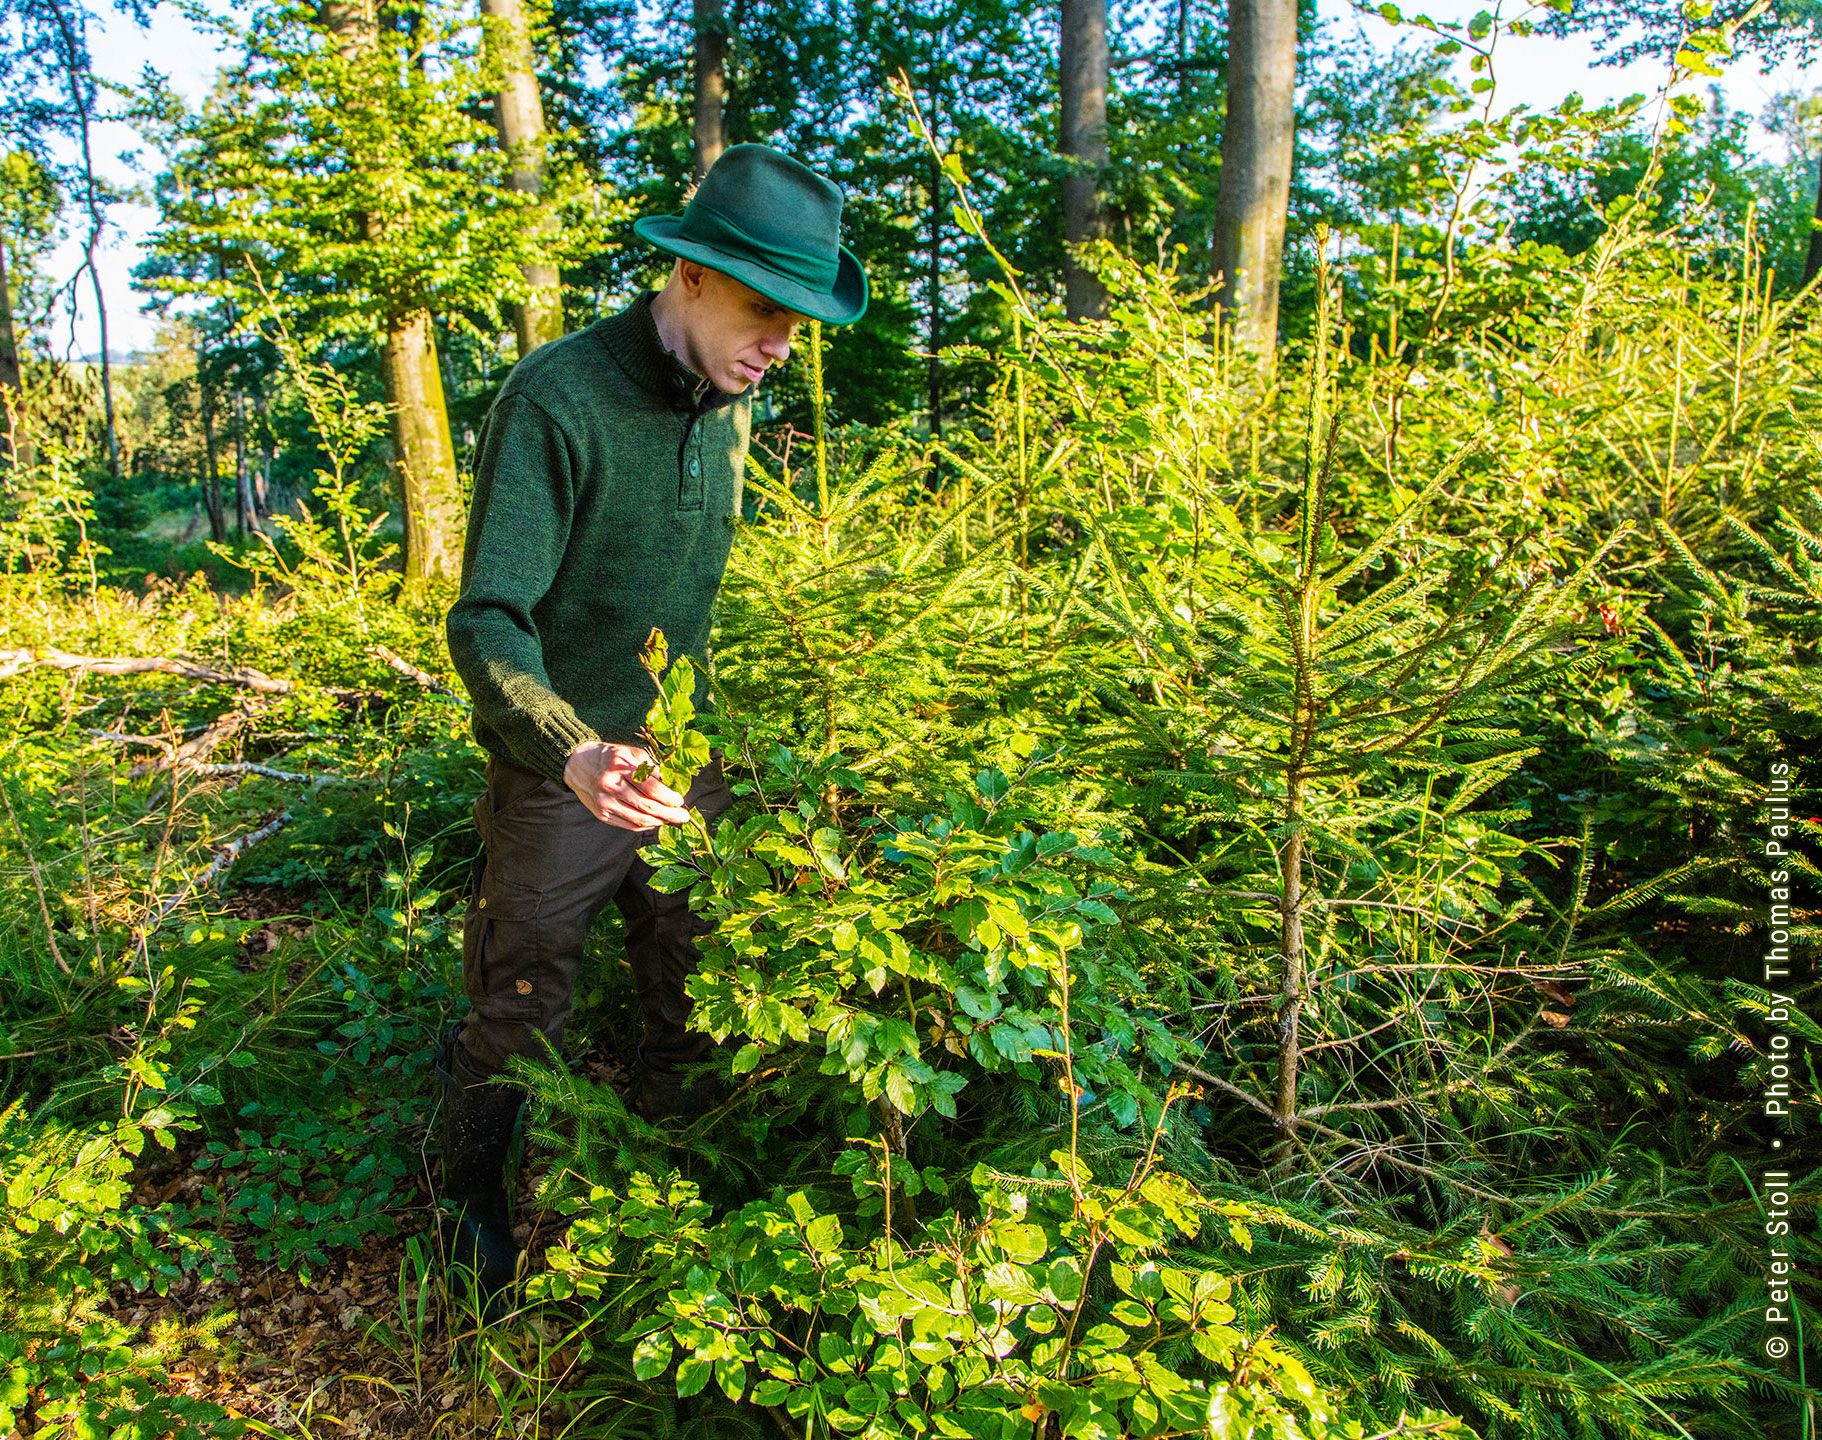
777, 210
773, 224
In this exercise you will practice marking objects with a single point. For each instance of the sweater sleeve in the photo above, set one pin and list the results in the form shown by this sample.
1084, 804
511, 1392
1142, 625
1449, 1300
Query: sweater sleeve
518, 528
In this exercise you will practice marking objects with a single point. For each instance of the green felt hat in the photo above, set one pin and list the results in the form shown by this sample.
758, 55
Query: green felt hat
774, 224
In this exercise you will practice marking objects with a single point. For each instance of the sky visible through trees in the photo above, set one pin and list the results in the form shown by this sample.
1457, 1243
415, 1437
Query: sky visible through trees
1537, 71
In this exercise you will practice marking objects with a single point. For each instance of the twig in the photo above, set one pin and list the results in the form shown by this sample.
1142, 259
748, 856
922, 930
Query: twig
119, 739
784, 1425
44, 908
187, 755
1221, 1084
15, 660
224, 857
411, 672
1367, 1148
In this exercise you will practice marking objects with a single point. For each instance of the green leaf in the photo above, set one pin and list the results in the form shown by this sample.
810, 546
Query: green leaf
824, 1234
826, 844
652, 1355
692, 1375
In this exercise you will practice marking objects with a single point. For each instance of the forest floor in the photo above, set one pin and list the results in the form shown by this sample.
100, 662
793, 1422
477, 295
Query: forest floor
365, 1348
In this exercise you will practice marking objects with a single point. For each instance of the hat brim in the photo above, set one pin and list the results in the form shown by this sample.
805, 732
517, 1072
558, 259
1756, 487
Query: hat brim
841, 306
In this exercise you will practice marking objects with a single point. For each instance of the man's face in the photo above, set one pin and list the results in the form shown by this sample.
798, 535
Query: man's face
733, 333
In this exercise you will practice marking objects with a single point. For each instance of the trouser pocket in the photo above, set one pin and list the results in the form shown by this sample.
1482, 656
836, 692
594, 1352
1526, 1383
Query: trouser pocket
504, 975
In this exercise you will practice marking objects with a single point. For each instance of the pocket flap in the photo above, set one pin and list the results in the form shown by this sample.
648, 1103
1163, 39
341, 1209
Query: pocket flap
501, 899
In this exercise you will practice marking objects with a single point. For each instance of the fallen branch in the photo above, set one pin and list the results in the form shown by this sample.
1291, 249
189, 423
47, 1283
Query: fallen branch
411, 672
13, 661
189, 754
248, 767
224, 857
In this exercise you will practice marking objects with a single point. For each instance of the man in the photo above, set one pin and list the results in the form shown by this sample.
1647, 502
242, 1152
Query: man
606, 474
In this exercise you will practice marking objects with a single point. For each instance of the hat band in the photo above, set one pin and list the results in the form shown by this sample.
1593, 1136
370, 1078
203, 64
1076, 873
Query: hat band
710, 227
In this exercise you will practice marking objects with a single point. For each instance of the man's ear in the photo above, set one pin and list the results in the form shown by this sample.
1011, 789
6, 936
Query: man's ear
689, 274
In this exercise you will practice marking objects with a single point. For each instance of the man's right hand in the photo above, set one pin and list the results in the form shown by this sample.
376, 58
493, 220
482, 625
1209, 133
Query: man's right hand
601, 774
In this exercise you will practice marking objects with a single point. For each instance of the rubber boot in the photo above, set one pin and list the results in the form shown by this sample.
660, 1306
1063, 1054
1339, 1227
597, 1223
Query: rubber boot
478, 1123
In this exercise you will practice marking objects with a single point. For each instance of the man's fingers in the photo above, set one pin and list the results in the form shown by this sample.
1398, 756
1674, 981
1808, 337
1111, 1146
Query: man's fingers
629, 813
659, 791
652, 786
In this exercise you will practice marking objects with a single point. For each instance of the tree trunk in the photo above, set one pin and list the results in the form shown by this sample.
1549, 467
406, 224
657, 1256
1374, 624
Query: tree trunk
79, 100
519, 117
1082, 74
9, 361
211, 489
1256, 166
1183, 7
1812, 266
352, 22
9, 346
933, 292
711, 82
244, 511
423, 451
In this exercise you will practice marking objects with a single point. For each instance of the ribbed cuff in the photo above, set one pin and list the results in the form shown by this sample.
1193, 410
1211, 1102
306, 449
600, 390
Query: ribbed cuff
548, 738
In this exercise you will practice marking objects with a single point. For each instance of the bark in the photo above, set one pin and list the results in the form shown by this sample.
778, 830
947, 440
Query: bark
9, 360
519, 118
1291, 981
1082, 74
354, 24
1812, 265
211, 488
245, 514
711, 82
9, 346
1256, 167
422, 450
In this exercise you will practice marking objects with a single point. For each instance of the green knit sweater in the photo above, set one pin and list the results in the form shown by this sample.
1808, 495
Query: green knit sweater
605, 479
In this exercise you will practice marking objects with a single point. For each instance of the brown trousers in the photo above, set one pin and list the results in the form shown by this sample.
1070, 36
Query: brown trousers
546, 870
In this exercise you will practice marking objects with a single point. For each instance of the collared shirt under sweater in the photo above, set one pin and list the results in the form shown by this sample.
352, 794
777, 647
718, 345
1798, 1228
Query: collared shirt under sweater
606, 477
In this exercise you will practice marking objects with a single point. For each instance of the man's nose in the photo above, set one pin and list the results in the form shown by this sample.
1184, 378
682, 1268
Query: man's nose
777, 344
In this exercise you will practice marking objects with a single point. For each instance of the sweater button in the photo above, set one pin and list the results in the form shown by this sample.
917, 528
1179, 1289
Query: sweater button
695, 469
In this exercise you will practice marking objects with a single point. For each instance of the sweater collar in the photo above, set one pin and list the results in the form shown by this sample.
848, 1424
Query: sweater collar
631, 337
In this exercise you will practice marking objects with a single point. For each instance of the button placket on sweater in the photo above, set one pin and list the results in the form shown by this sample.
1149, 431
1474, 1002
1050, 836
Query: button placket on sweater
689, 454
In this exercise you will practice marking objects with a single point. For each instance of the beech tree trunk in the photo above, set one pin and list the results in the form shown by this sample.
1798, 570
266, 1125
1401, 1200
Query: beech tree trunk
1082, 75
711, 82
519, 117
1256, 166
423, 450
